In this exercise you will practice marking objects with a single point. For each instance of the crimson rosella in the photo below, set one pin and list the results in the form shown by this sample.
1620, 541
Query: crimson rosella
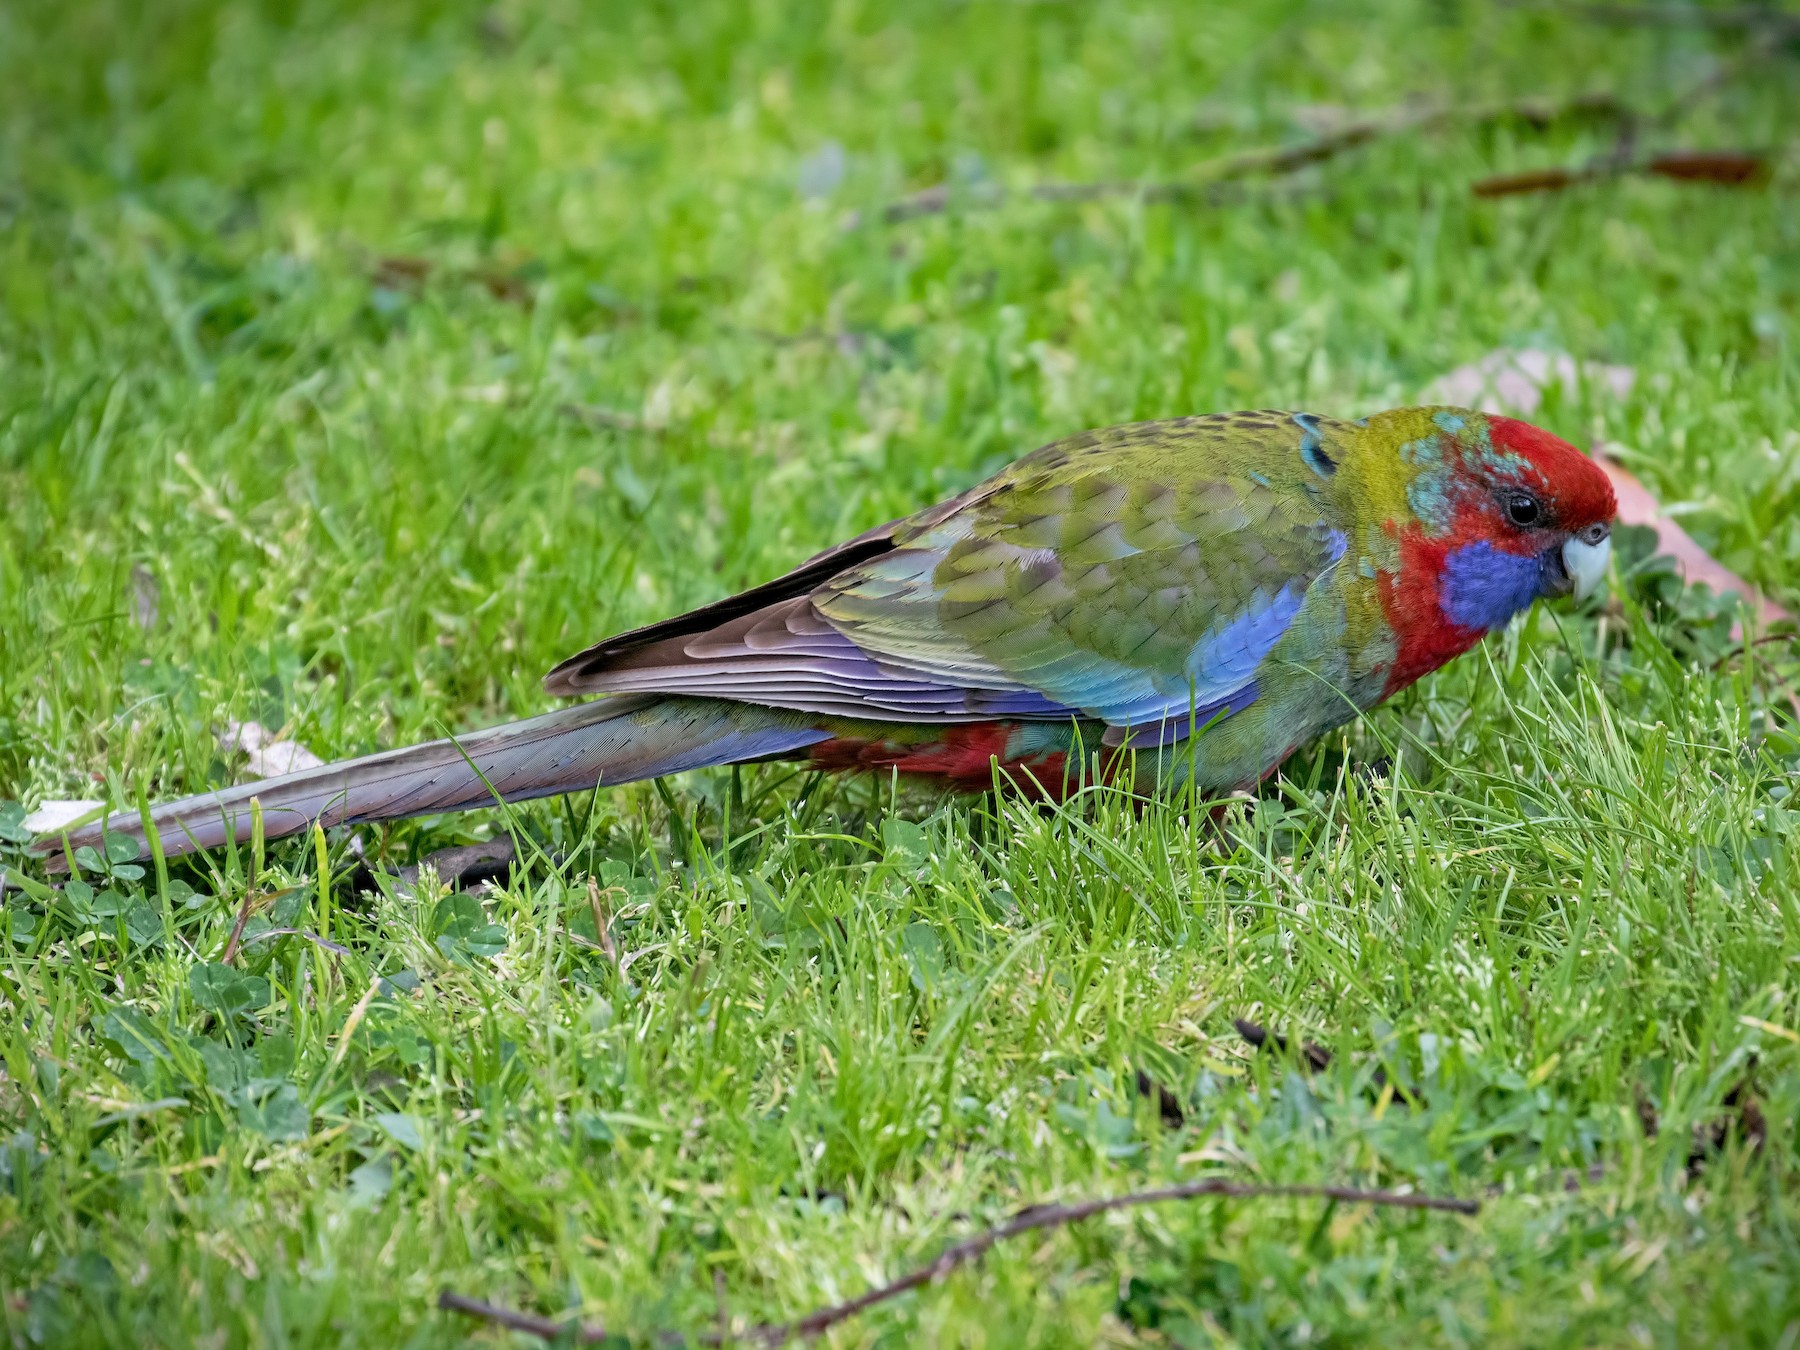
1193, 598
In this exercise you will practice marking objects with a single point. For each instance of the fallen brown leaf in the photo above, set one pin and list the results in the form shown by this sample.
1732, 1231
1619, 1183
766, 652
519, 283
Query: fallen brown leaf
1729, 168
1637, 506
1513, 380
1720, 168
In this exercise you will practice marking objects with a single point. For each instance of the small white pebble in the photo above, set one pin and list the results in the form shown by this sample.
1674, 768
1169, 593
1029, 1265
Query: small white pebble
268, 757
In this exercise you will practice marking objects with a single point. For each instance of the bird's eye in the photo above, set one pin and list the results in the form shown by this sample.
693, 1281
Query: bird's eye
1522, 510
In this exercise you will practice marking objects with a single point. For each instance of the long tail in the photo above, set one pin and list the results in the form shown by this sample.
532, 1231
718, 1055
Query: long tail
610, 741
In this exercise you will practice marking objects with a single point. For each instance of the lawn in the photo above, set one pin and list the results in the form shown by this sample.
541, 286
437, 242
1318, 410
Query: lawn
358, 363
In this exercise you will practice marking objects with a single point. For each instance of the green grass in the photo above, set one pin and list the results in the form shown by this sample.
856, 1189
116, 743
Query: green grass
1544, 891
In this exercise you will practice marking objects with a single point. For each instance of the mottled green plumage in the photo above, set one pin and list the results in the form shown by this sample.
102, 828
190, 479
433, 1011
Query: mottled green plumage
1157, 534
1162, 534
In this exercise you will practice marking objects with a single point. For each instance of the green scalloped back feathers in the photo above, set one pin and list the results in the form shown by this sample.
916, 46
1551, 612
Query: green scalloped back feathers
1128, 548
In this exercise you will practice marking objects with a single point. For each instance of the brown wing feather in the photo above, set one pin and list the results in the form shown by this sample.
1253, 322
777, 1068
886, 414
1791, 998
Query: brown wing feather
575, 675
786, 655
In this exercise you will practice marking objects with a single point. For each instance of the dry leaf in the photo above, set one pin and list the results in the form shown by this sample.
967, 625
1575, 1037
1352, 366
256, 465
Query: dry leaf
1509, 381
1697, 567
1729, 168
1721, 168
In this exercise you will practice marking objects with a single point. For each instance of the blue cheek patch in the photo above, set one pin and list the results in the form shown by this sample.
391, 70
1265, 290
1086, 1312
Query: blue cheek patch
1485, 586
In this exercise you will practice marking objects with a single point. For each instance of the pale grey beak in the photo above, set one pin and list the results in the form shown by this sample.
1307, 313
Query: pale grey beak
1585, 557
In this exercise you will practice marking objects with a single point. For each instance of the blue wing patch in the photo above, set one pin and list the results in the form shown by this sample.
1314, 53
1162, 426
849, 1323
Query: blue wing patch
1312, 446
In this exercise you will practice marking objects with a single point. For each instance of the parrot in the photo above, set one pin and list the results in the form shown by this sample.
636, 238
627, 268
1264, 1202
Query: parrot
1186, 600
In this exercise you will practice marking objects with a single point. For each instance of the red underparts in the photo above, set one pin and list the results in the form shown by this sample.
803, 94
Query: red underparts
963, 756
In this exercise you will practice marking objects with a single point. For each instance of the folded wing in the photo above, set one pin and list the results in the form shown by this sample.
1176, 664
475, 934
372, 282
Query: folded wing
1078, 583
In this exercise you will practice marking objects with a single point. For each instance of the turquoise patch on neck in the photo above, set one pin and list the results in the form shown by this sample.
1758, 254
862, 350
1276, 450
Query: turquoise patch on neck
1429, 491
1425, 450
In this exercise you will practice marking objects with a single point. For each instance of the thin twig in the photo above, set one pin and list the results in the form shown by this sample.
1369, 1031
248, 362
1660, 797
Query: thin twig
1728, 168
1540, 111
1212, 183
1057, 1216
1743, 649
541, 1327
962, 1253
603, 939
251, 899
306, 933
933, 201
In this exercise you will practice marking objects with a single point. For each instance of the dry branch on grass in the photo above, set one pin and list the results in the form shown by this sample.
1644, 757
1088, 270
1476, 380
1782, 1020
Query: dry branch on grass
1218, 182
962, 1253
529, 1323
1537, 111
1770, 34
